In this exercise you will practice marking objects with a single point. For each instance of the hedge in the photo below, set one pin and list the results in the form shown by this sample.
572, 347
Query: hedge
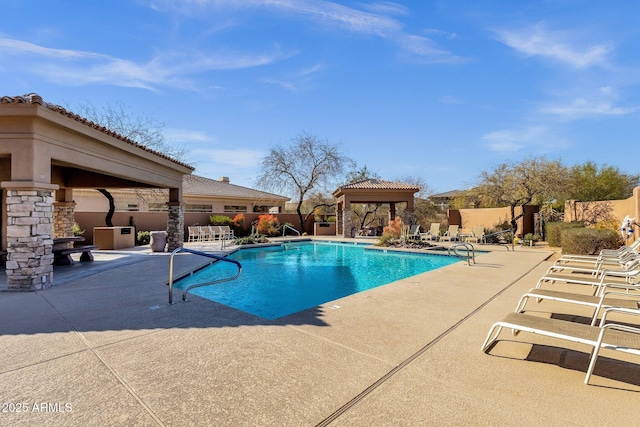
588, 241
554, 231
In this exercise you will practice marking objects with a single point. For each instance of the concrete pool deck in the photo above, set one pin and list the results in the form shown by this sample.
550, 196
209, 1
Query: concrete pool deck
102, 347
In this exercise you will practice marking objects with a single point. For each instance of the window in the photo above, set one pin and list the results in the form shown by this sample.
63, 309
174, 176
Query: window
235, 209
198, 208
158, 207
127, 207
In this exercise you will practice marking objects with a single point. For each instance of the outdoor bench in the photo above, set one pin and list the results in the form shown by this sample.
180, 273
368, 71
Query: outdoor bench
63, 256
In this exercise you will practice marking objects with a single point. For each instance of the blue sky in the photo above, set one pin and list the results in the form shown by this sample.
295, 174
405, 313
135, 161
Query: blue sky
440, 90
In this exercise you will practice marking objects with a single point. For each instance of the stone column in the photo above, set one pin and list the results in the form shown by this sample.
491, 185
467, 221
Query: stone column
346, 223
339, 221
29, 263
175, 226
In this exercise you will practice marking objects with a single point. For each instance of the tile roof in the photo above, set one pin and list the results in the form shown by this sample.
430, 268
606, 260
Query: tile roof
199, 185
378, 184
36, 99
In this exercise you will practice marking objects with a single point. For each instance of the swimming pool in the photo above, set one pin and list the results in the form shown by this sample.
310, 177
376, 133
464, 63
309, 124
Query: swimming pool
280, 280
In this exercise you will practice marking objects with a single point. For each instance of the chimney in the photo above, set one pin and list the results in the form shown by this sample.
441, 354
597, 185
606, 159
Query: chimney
224, 179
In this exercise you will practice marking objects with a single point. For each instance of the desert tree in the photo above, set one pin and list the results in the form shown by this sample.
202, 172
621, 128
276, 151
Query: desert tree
515, 185
589, 182
306, 164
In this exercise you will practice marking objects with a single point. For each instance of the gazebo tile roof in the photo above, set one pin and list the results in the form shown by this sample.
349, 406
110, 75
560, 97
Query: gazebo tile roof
378, 184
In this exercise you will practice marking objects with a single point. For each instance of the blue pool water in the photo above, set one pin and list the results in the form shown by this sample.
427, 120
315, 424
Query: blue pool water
280, 280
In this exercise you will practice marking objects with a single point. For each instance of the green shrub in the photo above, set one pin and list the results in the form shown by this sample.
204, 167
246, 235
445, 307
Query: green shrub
76, 230
143, 238
220, 220
588, 241
554, 231
251, 240
530, 239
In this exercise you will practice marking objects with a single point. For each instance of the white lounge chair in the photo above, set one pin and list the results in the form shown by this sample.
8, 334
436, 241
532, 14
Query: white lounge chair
205, 234
194, 234
607, 299
477, 234
614, 336
451, 233
433, 233
226, 232
605, 254
605, 278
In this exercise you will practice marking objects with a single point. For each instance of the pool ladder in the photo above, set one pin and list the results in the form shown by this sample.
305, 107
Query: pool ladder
470, 249
204, 254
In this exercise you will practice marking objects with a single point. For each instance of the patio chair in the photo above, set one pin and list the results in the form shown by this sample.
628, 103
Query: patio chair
433, 233
214, 232
226, 232
610, 335
450, 234
194, 235
414, 232
477, 234
205, 234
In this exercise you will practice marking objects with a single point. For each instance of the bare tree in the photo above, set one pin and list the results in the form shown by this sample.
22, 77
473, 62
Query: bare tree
144, 130
307, 164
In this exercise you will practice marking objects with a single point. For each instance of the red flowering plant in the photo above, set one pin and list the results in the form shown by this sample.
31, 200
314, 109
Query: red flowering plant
268, 224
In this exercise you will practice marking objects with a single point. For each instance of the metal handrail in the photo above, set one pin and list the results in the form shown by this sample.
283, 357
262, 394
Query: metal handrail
497, 233
284, 229
471, 251
216, 257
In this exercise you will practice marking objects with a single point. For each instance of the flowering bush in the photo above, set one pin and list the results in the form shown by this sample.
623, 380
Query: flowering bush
268, 224
394, 229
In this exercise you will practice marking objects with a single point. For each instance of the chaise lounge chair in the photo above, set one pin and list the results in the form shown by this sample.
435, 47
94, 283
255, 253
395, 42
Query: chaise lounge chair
606, 300
433, 233
606, 277
477, 235
450, 234
610, 335
414, 232
605, 255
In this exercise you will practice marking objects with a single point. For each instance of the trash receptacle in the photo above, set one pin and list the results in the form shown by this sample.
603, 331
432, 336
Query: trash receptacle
158, 241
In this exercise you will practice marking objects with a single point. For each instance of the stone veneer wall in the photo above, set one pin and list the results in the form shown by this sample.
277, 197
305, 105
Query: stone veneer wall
175, 226
63, 219
29, 263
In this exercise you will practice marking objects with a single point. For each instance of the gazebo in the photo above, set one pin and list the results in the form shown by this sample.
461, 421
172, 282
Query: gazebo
46, 152
372, 191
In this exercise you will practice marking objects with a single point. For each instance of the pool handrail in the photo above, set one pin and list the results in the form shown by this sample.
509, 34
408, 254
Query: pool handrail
284, 229
205, 254
471, 251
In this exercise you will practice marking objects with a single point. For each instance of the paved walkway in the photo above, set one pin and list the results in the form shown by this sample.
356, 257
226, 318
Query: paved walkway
102, 347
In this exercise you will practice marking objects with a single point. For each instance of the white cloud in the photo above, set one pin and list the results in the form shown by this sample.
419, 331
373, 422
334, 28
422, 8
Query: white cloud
581, 108
77, 68
510, 140
188, 136
599, 102
556, 45
336, 16
386, 7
